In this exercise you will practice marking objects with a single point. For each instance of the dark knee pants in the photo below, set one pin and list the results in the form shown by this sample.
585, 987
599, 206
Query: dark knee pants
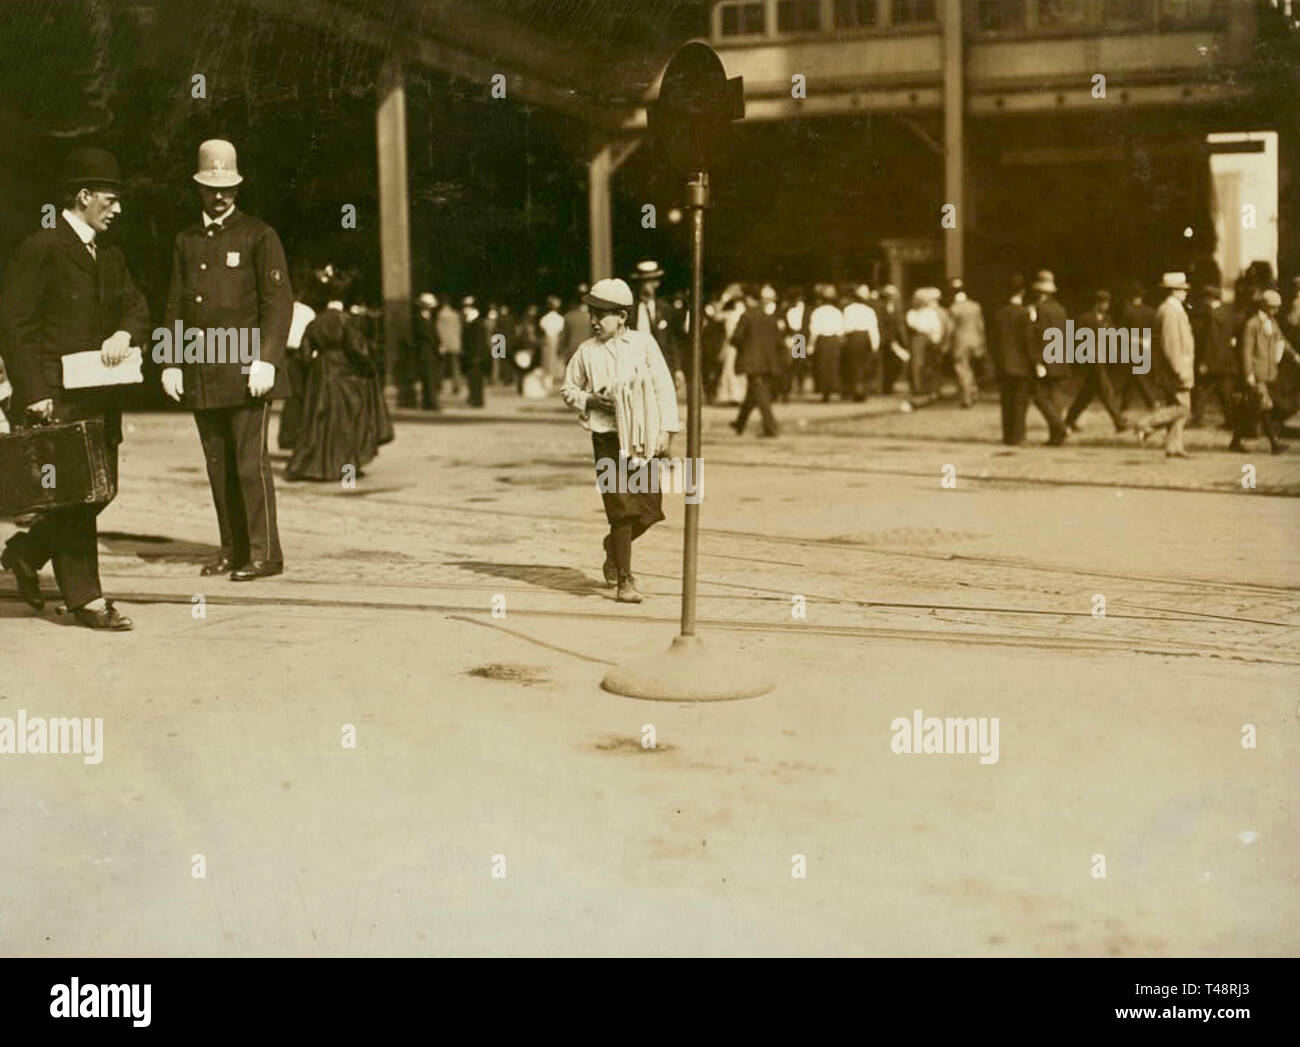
239, 471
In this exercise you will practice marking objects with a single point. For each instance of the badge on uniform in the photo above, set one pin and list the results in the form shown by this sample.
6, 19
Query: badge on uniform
232, 259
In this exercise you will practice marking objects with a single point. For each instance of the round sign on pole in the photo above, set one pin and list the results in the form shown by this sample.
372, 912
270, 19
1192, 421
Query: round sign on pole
691, 121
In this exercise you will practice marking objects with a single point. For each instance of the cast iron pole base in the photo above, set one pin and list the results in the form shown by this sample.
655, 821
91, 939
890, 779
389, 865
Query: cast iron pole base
687, 672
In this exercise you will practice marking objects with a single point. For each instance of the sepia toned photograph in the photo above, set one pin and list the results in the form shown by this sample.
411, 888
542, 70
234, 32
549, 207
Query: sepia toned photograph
650, 479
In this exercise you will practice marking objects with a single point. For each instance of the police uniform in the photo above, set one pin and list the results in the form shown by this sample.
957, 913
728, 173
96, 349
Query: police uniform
229, 273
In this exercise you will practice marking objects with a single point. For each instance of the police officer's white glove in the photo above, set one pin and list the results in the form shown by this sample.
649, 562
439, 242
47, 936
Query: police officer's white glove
261, 377
115, 348
173, 383
1040, 370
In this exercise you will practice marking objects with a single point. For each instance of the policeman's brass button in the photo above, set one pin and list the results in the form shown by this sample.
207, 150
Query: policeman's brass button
202, 266
198, 297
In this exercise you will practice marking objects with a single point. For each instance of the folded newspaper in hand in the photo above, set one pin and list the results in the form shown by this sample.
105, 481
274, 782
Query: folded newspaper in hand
88, 371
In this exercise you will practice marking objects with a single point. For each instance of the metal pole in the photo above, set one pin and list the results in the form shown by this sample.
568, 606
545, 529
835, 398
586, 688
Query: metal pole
697, 199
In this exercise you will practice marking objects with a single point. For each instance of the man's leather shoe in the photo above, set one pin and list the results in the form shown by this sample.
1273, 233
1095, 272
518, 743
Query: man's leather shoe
29, 582
1278, 447
221, 565
256, 569
108, 618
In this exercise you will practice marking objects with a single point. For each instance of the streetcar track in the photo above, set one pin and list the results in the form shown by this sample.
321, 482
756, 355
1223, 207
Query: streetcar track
1083, 644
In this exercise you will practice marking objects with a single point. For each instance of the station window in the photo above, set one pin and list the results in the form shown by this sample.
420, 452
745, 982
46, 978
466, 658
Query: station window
993, 16
799, 16
910, 12
1062, 14
849, 13
743, 19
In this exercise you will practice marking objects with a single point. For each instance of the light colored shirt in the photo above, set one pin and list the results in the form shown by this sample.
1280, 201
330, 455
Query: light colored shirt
858, 316
599, 367
825, 321
84, 232
207, 220
302, 316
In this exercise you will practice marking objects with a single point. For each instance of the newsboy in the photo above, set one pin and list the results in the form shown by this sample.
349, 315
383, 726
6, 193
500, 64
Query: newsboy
229, 272
66, 292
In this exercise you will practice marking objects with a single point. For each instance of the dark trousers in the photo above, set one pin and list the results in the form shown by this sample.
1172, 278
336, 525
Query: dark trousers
474, 379
1142, 385
757, 394
827, 365
239, 472
1217, 385
69, 538
1096, 385
429, 373
1248, 416
1018, 391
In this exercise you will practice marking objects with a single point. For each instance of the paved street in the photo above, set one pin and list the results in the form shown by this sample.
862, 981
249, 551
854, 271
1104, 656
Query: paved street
481, 736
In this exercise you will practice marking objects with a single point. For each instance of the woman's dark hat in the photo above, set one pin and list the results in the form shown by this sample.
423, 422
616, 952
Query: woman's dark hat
89, 168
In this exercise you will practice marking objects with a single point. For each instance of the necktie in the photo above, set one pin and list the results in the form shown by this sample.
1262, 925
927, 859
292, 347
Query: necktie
90, 246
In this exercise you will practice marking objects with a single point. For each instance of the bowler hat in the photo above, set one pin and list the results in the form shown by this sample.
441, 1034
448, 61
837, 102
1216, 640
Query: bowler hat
89, 168
610, 293
218, 167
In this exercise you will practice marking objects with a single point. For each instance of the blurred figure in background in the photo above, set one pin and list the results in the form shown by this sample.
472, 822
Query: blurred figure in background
1096, 377
1176, 363
552, 328
893, 336
476, 353
826, 342
796, 324
968, 342
1261, 346
425, 357
344, 417
758, 340
861, 345
925, 333
448, 331
1215, 365
296, 364
731, 386
577, 326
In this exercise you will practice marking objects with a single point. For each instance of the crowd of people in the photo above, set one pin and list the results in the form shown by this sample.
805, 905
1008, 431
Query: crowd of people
852, 342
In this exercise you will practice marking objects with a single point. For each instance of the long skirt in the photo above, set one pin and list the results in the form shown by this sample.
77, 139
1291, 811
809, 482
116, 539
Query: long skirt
731, 386
344, 420
826, 363
643, 509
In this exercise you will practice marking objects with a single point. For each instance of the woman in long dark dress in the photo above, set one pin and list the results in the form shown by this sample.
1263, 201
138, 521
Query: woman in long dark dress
344, 417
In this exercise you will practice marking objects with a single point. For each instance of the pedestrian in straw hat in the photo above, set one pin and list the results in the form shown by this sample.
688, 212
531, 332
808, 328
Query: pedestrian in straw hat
229, 273
606, 370
1173, 337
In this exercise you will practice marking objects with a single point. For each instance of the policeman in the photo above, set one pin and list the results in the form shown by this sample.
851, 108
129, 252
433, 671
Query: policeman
229, 274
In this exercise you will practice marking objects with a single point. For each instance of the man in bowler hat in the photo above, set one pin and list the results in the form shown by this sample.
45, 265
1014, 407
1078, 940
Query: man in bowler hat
65, 293
229, 272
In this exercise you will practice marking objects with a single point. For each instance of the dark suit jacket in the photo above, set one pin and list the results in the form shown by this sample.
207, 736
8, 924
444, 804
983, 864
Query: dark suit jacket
1013, 333
1050, 314
58, 300
475, 353
758, 338
666, 325
1213, 331
235, 277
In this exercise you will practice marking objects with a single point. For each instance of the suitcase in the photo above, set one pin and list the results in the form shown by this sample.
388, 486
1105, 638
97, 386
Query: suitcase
79, 453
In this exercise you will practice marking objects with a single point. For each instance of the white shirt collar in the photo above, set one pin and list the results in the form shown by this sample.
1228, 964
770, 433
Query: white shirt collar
84, 232
207, 220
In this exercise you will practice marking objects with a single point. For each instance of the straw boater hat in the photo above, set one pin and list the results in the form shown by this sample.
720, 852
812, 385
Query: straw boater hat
218, 168
1175, 281
647, 270
611, 294
1045, 282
